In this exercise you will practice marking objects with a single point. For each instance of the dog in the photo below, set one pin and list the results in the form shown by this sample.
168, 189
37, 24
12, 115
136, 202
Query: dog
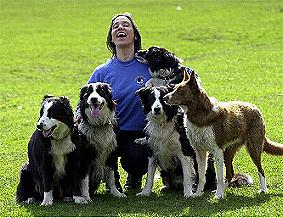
168, 142
97, 110
165, 67
58, 158
222, 128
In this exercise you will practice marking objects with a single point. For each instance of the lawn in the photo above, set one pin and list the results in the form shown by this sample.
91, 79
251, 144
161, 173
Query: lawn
51, 47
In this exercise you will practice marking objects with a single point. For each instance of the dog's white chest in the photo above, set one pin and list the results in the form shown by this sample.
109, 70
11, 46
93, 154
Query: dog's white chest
164, 141
59, 163
203, 137
59, 151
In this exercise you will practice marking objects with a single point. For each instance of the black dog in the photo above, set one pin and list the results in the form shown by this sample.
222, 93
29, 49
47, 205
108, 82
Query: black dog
168, 142
59, 158
164, 66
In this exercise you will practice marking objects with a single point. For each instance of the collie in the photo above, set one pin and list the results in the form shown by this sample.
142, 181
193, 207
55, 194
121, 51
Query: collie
168, 143
165, 67
97, 110
222, 128
58, 158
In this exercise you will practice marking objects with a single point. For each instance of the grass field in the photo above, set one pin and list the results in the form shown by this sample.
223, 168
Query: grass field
49, 46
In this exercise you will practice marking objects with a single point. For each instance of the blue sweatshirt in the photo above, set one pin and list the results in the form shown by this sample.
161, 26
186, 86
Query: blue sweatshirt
124, 78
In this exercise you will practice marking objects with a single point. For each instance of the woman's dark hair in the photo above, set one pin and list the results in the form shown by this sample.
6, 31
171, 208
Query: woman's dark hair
137, 40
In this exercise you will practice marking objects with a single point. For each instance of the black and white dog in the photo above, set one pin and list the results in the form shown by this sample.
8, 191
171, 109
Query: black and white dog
165, 67
168, 142
58, 158
97, 110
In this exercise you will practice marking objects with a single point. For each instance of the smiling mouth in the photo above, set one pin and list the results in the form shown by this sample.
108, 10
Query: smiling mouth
95, 109
121, 34
47, 133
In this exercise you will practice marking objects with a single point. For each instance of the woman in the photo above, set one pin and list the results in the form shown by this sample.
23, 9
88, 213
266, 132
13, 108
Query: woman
126, 75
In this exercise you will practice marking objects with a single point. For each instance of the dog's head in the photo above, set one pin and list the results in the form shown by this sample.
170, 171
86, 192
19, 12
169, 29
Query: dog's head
162, 63
186, 92
96, 102
56, 117
153, 104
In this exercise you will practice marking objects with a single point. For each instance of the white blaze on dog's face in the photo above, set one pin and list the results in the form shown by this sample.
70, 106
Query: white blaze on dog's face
156, 108
48, 122
96, 103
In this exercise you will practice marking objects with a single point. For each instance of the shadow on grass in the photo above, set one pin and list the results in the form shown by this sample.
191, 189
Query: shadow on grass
167, 204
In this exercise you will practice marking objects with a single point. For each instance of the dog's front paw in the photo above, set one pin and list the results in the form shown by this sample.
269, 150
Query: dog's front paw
47, 199
80, 200
197, 194
143, 193
188, 195
30, 201
219, 194
264, 191
118, 194
47, 202
141, 141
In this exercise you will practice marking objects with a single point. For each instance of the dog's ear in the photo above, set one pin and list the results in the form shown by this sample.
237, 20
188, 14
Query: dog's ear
47, 97
141, 56
143, 92
65, 100
106, 88
186, 75
193, 81
140, 91
83, 92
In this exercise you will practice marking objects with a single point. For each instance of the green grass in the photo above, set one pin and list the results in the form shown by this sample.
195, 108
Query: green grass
52, 47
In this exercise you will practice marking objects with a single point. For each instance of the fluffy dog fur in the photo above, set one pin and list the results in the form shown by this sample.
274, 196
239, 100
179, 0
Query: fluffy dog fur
168, 142
58, 158
164, 66
222, 128
97, 110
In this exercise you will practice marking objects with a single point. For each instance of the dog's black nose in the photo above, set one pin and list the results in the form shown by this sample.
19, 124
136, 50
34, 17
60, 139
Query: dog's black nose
157, 110
93, 99
39, 126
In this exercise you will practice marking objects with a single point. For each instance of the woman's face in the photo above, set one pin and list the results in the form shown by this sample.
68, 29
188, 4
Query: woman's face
122, 32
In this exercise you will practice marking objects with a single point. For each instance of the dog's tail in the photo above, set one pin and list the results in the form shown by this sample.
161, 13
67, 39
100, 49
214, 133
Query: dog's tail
273, 148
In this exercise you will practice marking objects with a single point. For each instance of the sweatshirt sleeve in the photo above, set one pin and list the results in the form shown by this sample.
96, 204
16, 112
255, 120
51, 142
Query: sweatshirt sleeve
97, 75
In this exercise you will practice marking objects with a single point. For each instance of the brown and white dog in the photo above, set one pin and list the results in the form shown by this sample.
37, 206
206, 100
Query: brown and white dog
222, 128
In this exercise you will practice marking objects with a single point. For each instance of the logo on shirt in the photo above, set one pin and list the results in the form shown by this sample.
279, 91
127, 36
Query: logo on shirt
140, 80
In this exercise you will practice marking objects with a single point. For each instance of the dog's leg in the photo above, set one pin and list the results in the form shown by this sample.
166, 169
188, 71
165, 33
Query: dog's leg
187, 166
219, 159
47, 199
47, 175
110, 180
201, 156
150, 177
84, 188
255, 154
229, 154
